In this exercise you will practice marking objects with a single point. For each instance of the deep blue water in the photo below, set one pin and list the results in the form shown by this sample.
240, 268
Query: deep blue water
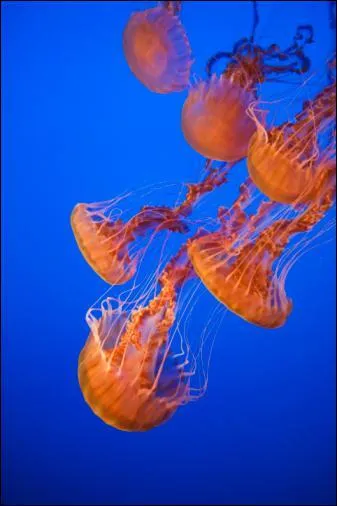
79, 127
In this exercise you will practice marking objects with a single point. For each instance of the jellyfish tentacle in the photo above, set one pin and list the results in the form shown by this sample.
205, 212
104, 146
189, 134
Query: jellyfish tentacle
214, 59
174, 7
256, 20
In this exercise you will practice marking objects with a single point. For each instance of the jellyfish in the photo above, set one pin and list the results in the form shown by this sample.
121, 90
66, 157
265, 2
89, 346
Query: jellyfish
214, 117
157, 49
286, 162
238, 262
105, 241
127, 371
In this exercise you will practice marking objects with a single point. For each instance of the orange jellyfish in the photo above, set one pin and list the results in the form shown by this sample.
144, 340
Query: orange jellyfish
127, 371
157, 49
214, 119
237, 263
105, 242
285, 162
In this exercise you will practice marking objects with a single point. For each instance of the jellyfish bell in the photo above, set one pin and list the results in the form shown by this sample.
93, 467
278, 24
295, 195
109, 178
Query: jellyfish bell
157, 50
129, 379
214, 119
283, 179
247, 288
286, 162
103, 244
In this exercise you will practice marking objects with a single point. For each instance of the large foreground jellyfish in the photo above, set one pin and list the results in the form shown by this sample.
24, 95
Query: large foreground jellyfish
286, 162
127, 370
105, 240
238, 263
214, 116
157, 49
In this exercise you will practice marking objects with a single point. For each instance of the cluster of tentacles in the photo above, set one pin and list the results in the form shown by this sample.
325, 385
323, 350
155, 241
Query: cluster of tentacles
129, 371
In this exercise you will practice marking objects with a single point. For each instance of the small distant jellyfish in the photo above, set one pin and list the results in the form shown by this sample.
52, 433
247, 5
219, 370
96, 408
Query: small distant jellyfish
214, 119
109, 245
237, 263
127, 371
157, 49
286, 162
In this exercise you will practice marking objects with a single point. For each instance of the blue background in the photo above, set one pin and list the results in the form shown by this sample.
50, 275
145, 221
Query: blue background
79, 127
